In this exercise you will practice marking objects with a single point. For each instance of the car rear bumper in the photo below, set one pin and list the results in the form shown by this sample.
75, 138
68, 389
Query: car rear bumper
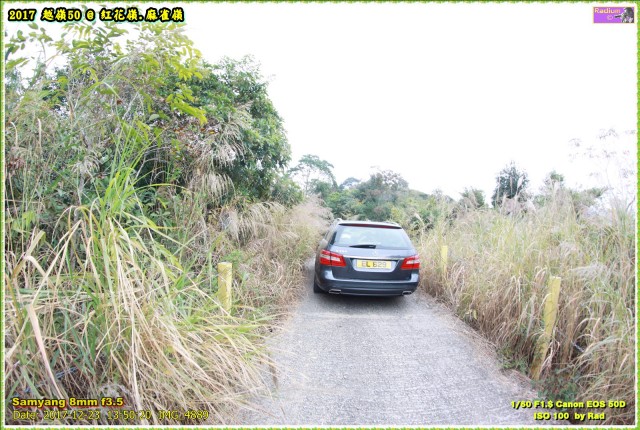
355, 287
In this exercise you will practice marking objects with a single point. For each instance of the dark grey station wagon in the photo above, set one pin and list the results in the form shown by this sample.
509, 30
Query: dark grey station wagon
366, 258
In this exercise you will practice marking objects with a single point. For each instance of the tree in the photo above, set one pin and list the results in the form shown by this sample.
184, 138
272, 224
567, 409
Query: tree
511, 183
379, 193
472, 198
344, 204
349, 183
553, 186
149, 103
554, 179
311, 169
389, 179
286, 191
100, 97
244, 137
322, 188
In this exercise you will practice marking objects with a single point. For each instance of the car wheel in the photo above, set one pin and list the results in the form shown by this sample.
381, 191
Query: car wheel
317, 289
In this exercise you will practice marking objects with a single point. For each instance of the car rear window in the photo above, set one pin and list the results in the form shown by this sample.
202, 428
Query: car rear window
381, 237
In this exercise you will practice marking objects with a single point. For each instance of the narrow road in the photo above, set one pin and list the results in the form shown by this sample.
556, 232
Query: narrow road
385, 361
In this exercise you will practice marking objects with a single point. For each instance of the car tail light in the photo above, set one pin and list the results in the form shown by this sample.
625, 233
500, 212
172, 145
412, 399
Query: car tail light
329, 258
411, 263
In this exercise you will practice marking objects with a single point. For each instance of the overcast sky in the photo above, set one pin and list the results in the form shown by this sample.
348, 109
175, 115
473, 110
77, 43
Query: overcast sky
444, 94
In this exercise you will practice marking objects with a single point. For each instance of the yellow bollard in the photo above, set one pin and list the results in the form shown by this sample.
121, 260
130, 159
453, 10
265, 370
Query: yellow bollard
444, 256
224, 285
549, 320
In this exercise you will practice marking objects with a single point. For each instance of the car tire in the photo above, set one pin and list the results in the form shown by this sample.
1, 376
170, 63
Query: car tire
316, 289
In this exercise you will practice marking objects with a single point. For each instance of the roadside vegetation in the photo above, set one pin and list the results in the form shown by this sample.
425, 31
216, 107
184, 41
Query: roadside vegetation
498, 270
132, 169
500, 260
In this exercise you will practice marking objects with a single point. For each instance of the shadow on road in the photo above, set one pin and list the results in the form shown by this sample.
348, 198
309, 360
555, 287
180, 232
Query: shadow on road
361, 303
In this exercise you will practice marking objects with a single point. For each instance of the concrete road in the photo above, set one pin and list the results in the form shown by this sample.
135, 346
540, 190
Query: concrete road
385, 361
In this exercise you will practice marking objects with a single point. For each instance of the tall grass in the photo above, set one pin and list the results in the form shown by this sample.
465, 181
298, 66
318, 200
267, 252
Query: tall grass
499, 267
117, 215
110, 303
273, 265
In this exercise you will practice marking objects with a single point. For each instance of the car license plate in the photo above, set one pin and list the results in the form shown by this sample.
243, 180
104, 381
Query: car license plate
373, 264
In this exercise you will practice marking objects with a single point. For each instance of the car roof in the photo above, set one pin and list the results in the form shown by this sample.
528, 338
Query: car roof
368, 223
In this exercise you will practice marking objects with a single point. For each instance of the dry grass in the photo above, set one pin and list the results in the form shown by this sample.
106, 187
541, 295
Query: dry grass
110, 284
274, 269
498, 271
119, 306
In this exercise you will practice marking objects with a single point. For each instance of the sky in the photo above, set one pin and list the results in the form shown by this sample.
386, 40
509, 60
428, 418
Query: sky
446, 94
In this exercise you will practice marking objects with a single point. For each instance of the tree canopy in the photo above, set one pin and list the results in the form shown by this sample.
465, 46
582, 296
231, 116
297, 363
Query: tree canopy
186, 122
511, 182
312, 171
